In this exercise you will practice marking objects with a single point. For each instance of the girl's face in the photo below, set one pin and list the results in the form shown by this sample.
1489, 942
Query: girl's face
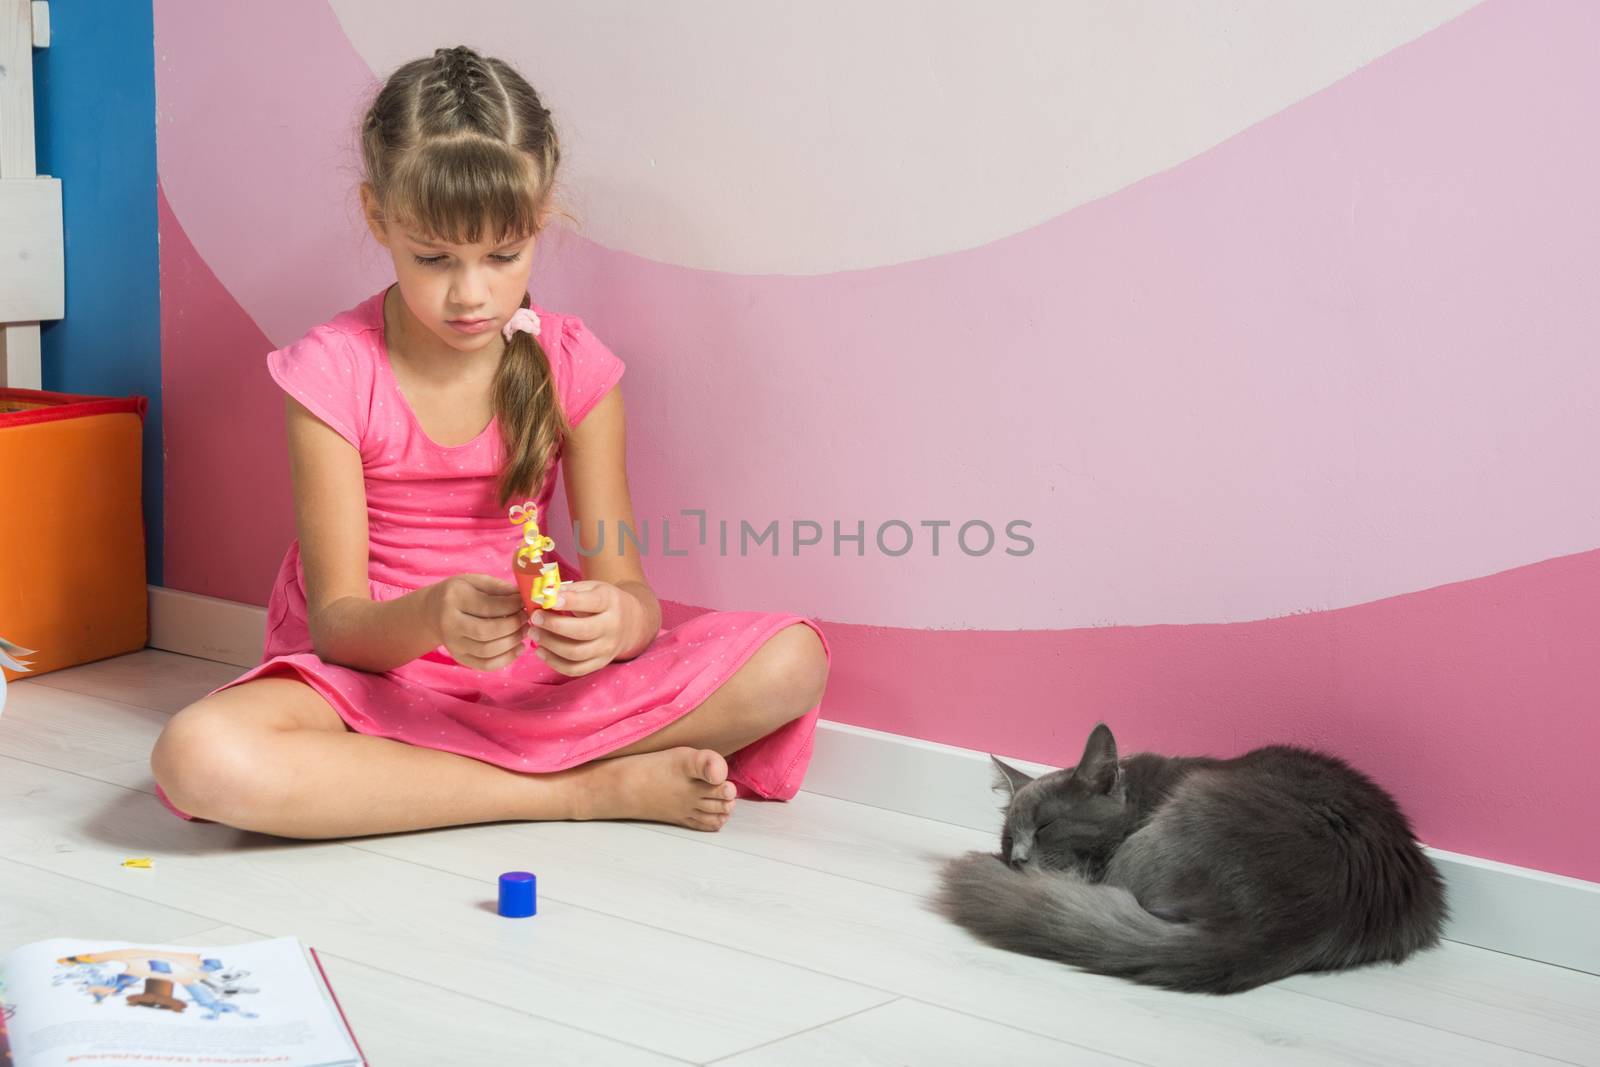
460, 294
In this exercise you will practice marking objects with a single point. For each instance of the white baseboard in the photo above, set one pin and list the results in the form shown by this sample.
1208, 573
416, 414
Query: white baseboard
1516, 910
225, 631
1521, 911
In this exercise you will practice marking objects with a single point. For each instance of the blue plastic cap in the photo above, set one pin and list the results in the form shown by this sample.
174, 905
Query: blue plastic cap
518, 895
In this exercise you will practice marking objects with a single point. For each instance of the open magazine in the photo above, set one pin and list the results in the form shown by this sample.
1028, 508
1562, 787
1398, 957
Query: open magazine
67, 1002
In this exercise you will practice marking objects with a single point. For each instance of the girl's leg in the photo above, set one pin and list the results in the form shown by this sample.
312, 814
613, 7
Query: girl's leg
272, 756
780, 682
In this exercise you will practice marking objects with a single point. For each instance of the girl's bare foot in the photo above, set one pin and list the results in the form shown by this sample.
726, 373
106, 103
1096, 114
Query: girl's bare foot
685, 786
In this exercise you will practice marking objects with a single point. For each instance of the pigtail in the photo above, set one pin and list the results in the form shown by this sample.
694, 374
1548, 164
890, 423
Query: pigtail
532, 424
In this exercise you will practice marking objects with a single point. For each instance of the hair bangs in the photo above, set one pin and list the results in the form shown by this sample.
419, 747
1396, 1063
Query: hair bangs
456, 190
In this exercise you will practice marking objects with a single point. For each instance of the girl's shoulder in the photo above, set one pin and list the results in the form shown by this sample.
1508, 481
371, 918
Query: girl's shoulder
346, 336
365, 317
583, 366
566, 334
558, 330
362, 323
331, 368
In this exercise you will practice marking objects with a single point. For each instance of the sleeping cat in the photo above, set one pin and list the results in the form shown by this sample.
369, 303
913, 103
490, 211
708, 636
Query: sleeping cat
1197, 874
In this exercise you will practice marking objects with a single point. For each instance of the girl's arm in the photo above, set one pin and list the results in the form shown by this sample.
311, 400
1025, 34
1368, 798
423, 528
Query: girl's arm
347, 626
596, 476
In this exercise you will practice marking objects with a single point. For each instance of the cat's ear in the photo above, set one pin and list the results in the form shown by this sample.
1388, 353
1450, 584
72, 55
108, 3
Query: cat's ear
1007, 779
1099, 768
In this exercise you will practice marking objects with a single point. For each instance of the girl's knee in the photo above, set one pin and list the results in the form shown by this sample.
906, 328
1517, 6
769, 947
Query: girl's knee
795, 669
204, 761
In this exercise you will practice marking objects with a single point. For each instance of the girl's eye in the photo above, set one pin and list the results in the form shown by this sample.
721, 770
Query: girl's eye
434, 261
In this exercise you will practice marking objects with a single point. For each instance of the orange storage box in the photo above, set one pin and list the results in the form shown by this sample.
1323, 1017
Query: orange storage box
72, 556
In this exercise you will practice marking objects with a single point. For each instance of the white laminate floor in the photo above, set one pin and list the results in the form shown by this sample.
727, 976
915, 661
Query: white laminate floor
797, 935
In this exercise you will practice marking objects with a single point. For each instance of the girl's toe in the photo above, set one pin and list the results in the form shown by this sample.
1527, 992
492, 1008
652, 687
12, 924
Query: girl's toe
713, 768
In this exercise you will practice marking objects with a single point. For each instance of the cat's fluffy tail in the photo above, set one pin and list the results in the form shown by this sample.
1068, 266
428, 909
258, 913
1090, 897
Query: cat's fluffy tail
1098, 927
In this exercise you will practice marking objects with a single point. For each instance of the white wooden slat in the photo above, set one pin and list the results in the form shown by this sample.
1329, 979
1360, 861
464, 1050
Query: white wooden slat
31, 288
73, 732
150, 678
20, 359
39, 904
32, 267
1493, 997
885, 848
16, 89
403, 1022
910, 1032
41, 24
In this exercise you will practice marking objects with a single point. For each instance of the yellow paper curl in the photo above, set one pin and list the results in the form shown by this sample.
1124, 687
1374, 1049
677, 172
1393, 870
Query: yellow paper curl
546, 580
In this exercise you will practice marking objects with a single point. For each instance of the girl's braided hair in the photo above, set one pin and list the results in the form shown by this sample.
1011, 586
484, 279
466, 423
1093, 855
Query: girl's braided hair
454, 144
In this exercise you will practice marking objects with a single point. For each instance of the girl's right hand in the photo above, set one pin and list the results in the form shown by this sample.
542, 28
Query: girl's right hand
480, 620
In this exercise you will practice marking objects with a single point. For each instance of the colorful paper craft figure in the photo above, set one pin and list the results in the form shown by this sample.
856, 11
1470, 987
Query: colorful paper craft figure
538, 580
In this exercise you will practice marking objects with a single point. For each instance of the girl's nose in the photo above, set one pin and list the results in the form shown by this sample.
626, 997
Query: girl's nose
468, 291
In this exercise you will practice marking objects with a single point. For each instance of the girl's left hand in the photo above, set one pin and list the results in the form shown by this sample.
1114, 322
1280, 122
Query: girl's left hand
591, 635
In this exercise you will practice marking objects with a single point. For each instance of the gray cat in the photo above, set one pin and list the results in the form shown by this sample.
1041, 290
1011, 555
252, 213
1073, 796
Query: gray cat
1201, 875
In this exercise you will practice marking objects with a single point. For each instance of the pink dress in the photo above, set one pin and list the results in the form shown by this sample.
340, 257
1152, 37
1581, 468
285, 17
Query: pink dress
432, 513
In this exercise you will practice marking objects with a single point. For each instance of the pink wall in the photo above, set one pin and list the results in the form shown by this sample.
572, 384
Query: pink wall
1305, 423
